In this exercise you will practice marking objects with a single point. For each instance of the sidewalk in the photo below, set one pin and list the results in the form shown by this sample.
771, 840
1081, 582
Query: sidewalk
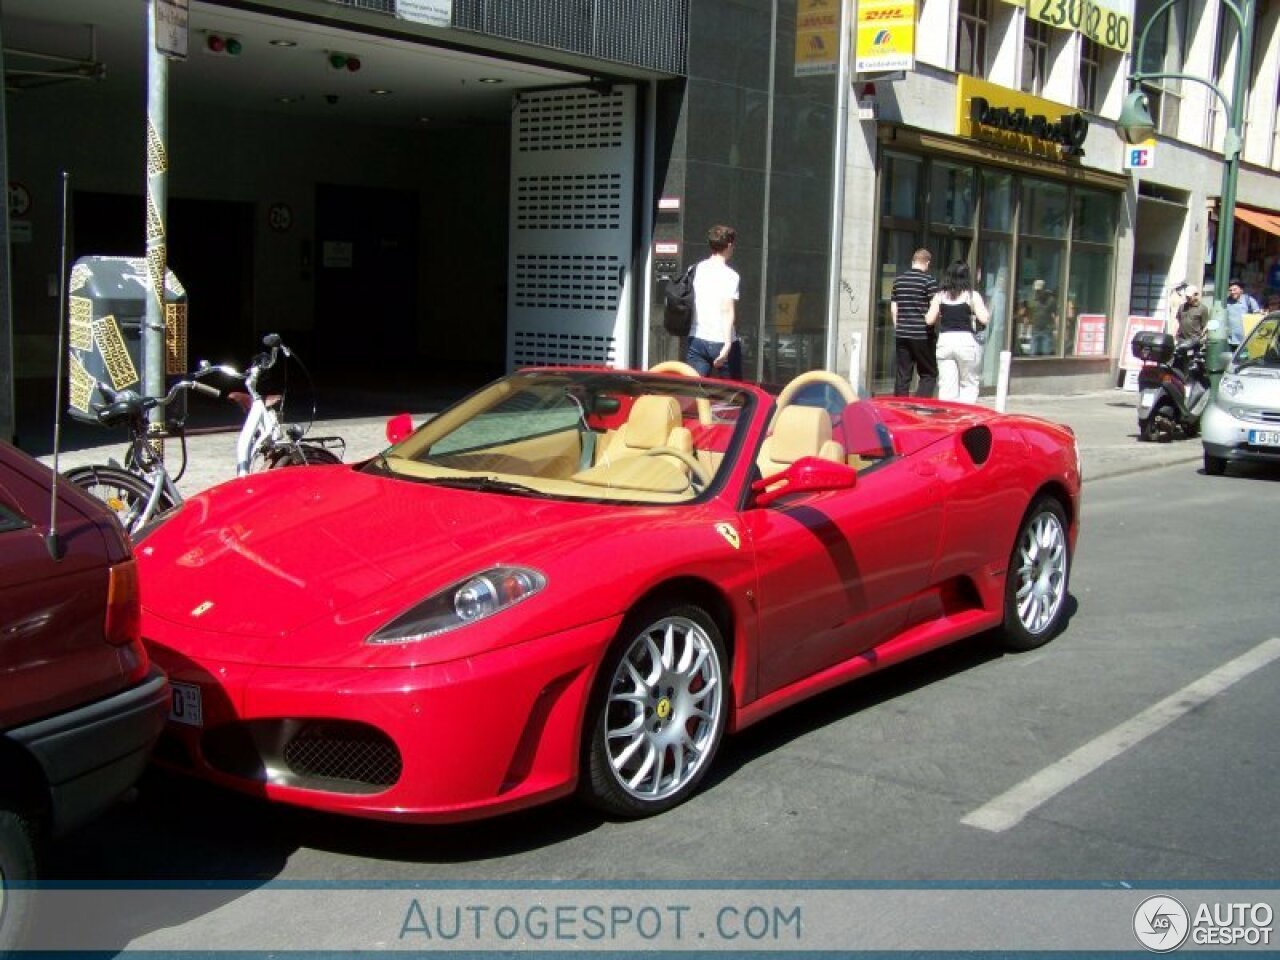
1104, 421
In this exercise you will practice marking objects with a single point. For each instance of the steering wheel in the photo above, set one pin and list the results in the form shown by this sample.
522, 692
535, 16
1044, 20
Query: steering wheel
698, 470
679, 366
674, 366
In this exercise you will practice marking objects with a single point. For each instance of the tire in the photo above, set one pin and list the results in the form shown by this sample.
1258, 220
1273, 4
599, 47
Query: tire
17, 869
663, 692
120, 490
1161, 425
304, 454
1214, 466
1037, 578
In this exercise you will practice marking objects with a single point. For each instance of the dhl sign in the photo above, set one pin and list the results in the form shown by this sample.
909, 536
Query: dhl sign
886, 36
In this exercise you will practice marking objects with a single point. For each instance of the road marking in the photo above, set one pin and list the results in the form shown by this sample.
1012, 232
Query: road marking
1008, 809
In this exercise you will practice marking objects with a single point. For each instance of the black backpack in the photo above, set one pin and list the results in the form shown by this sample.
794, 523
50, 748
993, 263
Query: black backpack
677, 309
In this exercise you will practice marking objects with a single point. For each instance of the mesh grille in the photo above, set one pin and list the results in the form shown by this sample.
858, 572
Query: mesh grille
334, 750
583, 202
566, 282
573, 120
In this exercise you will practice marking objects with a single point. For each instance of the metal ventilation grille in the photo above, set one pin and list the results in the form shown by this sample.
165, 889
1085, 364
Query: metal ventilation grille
566, 282
534, 348
381, 6
978, 442
337, 750
573, 120
585, 201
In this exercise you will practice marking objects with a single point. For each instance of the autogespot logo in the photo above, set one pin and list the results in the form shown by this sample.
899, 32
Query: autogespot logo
1161, 924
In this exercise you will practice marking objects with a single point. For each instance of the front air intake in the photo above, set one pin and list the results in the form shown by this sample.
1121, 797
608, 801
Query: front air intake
977, 441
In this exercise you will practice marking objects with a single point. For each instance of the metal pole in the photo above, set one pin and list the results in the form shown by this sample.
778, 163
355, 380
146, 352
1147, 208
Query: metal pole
8, 412
844, 79
1216, 348
153, 327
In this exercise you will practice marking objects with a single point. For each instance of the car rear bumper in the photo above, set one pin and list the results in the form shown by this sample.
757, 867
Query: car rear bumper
438, 743
93, 754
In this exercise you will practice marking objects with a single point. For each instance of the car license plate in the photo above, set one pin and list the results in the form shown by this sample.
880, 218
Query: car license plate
1264, 438
185, 705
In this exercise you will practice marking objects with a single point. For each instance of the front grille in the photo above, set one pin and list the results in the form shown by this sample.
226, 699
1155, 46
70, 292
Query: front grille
339, 750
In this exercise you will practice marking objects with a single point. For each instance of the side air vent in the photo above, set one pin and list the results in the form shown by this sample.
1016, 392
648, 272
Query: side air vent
977, 440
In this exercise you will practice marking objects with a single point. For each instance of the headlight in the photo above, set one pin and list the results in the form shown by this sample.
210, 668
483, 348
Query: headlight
1231, 385
464, 602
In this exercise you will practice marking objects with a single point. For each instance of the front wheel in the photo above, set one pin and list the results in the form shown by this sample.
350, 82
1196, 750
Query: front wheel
1035, 593
658, 712
120, 490
300, 455
17, 872
1214, 466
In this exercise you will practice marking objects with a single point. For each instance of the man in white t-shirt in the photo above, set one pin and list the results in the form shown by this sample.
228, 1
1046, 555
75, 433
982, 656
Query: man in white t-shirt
714, 348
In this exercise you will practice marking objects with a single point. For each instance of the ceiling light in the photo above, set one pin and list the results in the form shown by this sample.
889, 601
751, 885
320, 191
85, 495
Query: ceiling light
283, 43
490, 79
380, 91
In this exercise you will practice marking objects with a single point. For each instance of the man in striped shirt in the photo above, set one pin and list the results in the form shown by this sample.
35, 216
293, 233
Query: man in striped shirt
912, 292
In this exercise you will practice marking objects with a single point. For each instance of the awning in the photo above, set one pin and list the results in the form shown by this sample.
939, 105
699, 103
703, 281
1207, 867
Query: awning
1261, 219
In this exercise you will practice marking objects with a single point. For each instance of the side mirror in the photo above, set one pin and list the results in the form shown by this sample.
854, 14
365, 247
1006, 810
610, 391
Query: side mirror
806, 475
399, 427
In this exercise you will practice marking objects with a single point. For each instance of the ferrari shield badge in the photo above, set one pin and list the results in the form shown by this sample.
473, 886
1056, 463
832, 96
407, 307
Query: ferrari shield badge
730, 534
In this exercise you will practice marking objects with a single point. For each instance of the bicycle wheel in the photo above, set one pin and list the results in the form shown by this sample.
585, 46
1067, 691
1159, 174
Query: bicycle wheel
120, 490
303, 454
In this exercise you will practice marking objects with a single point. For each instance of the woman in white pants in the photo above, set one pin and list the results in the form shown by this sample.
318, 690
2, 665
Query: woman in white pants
955, 310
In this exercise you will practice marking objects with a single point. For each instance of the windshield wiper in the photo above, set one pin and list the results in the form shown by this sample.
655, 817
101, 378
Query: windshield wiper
481, 483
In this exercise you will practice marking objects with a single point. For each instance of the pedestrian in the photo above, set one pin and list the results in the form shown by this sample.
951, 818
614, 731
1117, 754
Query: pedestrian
714, 347
1237, 304
913, 338
1193, 316
1044, 319
957, 310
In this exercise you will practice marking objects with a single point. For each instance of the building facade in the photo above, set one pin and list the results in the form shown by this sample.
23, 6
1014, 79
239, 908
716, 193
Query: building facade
533, 221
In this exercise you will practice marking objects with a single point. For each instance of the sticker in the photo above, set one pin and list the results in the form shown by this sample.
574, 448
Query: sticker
202, 609
730, 534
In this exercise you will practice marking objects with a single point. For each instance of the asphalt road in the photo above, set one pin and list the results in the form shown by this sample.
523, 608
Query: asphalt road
1161, 690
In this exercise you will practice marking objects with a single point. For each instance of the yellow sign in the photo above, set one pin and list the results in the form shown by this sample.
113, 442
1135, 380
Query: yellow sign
1108, 22
786, 306
886, 36
1018, 121
817, 37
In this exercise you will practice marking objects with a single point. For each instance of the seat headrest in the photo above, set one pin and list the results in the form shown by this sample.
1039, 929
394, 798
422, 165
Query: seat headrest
799, 432
651, 421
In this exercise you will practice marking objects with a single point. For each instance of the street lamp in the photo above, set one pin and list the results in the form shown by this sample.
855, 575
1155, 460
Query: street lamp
1136, 125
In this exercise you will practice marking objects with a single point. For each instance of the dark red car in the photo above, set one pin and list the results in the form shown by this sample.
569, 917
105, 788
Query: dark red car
81, 704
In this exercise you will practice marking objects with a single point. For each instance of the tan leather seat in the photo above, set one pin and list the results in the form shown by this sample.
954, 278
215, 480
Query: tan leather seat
798, 432
652, 422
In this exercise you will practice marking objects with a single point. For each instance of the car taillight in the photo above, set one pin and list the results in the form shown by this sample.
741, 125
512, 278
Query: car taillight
124, 605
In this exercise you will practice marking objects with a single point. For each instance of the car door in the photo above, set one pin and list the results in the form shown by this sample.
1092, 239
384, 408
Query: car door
837, 571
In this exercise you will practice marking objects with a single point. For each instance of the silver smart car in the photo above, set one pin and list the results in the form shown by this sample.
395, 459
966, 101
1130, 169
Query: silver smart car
1243, 422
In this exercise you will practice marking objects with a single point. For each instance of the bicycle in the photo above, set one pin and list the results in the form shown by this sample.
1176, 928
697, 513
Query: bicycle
142, 489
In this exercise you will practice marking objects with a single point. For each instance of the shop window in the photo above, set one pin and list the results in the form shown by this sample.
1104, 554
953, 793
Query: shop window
900, 187
997, 201
1094, 217
1044, 208
951, 196
1087, 305
1038, 311
1165, 52
1035, 56
971, 37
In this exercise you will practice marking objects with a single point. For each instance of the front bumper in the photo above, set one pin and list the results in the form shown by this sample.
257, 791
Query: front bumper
443, 742
1227, 437
93, 754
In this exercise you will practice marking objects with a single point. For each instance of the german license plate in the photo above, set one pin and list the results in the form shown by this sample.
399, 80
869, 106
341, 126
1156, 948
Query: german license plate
185, 705
1264, 438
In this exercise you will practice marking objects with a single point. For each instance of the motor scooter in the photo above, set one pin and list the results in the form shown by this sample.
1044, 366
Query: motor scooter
1173, 386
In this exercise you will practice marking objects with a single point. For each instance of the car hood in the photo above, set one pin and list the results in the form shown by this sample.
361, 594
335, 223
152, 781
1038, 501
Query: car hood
339, 552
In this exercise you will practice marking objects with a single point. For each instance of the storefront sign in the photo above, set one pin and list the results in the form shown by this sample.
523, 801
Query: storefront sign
886, 36
1140, 156
1091, 335
1132, 328
172, 28
1018, 121
817, 37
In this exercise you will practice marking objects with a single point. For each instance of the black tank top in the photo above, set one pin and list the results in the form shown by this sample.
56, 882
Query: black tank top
954, 317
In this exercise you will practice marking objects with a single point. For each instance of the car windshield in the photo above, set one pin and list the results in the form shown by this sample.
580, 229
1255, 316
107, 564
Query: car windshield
578, 434
1262, 347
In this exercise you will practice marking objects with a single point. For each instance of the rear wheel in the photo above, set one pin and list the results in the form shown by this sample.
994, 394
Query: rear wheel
1035, 593
1214, 466
1162, 423
120, 490
17, 872
658, 712
299, 455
